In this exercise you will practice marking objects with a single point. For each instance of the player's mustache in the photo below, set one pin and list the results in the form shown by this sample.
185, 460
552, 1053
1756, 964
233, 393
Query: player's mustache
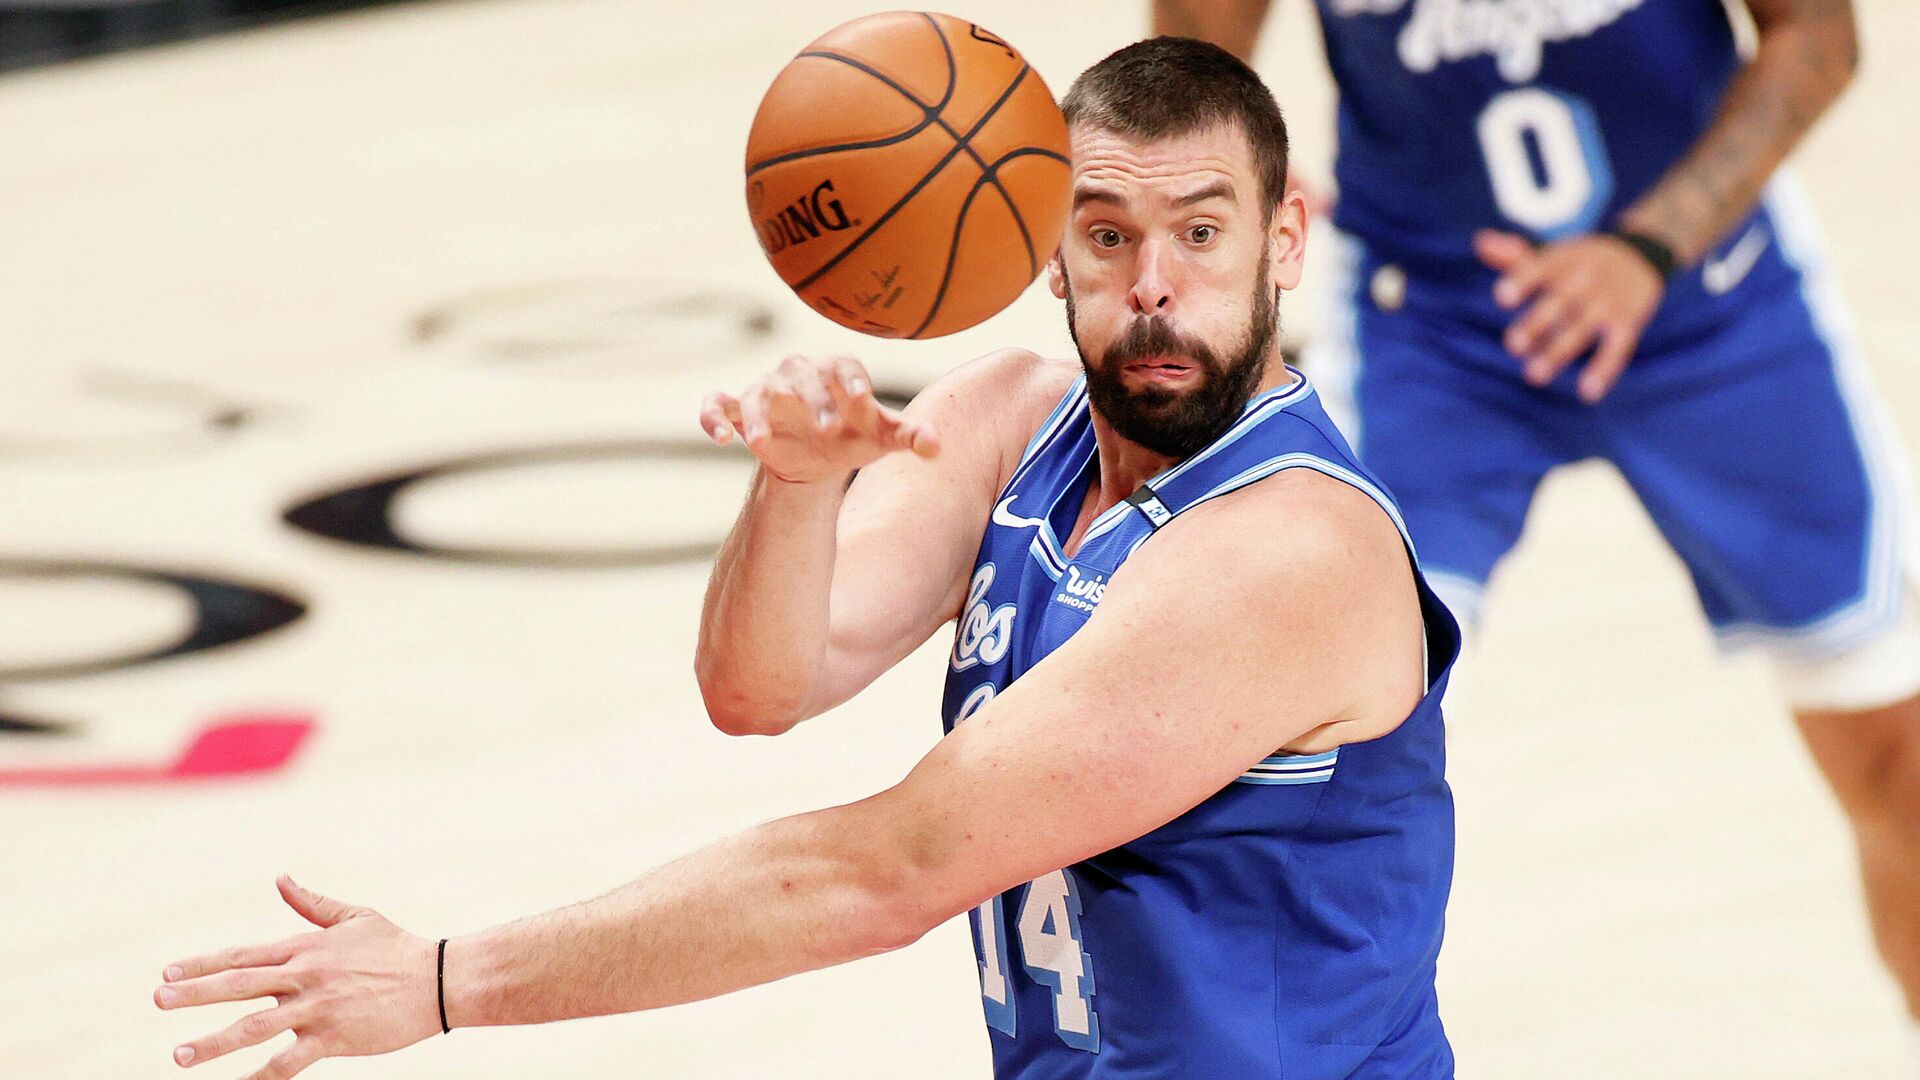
1155, 336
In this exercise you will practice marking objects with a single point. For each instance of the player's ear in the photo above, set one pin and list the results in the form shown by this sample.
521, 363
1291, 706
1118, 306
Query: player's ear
1287, 239
1057, 276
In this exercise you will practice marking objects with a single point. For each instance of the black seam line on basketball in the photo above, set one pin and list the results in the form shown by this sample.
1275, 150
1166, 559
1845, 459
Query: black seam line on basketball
837, 148
987, 176
1033, 262
915, 190
953, 255
929, 114
953, 65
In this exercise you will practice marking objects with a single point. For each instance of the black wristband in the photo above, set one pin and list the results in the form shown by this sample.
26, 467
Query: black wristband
440, 978
1658, 255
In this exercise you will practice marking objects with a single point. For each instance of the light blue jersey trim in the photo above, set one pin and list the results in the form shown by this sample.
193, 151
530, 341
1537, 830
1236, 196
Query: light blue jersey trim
1046, 552
1889, 560
1257, 410
1320, 465
1292, 769
1046, 546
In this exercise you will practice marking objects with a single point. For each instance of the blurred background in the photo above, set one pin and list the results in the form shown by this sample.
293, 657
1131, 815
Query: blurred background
36, 32
356, 521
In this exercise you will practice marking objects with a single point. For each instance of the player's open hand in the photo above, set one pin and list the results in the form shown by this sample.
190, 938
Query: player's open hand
814, 420
360, 986
1583, 293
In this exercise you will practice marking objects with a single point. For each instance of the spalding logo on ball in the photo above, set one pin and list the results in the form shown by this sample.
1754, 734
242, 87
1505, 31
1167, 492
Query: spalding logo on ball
908, 175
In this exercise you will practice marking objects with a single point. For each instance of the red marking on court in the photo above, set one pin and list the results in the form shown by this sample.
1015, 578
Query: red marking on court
247, 744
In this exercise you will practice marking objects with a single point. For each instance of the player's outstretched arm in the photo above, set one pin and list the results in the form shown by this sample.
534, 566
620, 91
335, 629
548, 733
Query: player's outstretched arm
1305, 635
823, 586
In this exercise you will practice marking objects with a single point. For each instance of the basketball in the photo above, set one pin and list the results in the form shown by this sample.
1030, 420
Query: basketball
908, 175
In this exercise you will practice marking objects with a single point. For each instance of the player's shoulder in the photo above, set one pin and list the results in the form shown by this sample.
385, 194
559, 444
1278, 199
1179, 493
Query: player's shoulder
1297, 533
1016, 380
1317, 568
1004, 396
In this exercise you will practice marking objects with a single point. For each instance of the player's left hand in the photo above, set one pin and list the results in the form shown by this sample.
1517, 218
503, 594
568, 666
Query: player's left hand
360, 986
1585, 292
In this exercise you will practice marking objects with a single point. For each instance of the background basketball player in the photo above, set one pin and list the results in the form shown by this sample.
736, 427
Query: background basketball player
1562, 241
1213, 758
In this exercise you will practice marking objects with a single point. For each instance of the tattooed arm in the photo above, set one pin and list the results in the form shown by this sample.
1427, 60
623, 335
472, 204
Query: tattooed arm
1234, 25
1808, 53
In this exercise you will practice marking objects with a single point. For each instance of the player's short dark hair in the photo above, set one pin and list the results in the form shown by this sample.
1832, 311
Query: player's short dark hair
1169, 86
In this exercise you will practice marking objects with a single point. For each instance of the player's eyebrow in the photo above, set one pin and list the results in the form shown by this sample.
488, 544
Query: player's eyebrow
1084, 195
1219, 189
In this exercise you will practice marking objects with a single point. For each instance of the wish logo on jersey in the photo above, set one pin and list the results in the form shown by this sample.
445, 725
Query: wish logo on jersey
985, 631
1081, 593
1511, 31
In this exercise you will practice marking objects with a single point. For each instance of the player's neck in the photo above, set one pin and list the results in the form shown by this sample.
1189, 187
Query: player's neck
1125, 464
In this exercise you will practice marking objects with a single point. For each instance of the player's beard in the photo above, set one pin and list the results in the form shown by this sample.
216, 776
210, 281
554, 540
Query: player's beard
1178, 423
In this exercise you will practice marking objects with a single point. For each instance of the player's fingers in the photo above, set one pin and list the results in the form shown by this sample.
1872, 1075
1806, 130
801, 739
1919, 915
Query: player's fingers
1609, 362
903, 433
850, 377
321, 911
240, 956
853, 394
1559, 348
243, 984
1501, 250
1517, 285
247, 1031
287, 1063
1533, 326
756, 420
719, 416
809, 389
789, 406
925, 441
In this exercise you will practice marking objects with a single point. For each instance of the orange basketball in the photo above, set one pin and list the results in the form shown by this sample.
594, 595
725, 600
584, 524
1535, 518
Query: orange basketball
907, 174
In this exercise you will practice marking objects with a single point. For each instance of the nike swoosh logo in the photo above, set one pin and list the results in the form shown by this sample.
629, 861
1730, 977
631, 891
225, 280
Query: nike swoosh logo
1003, 516
1720, 275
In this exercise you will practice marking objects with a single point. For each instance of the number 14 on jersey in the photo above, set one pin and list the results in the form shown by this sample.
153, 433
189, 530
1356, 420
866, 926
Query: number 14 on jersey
1052, 949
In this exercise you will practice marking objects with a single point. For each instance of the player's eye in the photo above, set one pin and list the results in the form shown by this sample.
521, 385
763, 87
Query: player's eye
1202, 234
1106, 238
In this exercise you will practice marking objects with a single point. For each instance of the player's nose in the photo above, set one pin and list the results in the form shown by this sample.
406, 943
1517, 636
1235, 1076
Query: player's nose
1152, 292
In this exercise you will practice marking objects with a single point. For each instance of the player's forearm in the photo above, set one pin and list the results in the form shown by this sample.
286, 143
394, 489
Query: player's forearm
793, 895
1800, 68
763, 630
1234, 25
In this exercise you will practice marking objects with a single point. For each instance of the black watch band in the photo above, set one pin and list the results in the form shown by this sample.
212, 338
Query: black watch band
1658, 255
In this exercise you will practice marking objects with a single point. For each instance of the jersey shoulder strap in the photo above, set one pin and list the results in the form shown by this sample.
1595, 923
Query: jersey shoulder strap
1284, 428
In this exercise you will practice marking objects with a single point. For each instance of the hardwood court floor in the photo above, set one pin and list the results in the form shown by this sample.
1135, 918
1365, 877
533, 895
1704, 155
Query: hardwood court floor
395, 238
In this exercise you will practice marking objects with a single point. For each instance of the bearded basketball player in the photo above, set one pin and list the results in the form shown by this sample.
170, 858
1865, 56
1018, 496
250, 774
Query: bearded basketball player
1191, 793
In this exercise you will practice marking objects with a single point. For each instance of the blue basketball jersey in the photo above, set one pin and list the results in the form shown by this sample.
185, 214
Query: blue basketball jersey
1542, 117
1287, 926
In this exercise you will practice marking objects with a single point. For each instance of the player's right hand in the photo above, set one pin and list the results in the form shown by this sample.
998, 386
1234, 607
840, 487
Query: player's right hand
813, 420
